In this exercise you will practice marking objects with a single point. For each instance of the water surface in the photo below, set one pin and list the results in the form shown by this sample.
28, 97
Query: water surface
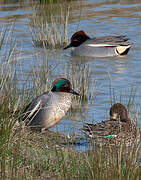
120, 75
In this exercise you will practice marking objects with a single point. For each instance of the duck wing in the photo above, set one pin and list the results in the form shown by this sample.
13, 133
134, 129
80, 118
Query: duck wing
112, 40
105, 128
35, 105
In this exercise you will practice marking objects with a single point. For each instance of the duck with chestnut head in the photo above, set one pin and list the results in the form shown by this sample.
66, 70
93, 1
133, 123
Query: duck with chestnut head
48, 109
82, 45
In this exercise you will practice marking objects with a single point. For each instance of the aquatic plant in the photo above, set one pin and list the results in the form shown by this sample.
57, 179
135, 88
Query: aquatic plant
48, 25
81, 79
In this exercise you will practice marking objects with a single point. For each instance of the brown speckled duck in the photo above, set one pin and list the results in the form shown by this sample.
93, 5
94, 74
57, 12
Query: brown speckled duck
48, 109
118, 130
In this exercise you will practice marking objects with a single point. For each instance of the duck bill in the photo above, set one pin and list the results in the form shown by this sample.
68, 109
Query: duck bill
69, 46
73, 92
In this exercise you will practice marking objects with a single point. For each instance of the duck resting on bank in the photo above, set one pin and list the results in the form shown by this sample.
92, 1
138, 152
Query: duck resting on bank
49, 108
118, 130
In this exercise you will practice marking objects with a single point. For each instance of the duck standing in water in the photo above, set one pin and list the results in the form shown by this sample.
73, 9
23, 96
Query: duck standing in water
106, 46
48, 109
119, 129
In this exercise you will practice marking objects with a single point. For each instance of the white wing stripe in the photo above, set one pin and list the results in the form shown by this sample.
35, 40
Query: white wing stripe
34, 109
99, 45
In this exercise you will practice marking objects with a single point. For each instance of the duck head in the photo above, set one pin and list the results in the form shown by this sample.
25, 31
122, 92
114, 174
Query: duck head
118, 111
77, 39
62, 85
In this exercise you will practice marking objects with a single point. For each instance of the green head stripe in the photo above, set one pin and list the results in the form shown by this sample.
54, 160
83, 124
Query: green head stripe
110, 136
60, 83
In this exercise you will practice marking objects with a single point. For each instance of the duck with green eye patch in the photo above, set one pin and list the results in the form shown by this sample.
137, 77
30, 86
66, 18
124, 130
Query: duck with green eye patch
48, 109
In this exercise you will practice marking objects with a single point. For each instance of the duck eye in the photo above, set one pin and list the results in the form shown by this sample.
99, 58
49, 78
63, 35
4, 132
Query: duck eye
65, 85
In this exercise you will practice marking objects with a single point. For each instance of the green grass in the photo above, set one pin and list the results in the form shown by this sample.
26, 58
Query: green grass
25, 154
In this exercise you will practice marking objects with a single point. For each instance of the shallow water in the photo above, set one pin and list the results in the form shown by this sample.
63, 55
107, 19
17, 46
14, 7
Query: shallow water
99, 18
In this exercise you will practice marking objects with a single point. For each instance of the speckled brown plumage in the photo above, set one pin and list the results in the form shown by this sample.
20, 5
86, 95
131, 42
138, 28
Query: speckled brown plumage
118, 130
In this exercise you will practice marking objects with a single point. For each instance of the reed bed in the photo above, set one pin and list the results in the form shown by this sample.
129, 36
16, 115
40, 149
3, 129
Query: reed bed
48, 25
82, 81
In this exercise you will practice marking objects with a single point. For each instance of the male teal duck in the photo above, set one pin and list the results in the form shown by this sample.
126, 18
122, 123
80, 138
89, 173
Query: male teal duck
118, 130
48, 109
106, 46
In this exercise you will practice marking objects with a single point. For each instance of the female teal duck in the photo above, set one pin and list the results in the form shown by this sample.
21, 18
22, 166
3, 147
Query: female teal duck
48, 109
119, 129
106, 46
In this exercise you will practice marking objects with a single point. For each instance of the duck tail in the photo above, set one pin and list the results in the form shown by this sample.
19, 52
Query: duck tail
122, 50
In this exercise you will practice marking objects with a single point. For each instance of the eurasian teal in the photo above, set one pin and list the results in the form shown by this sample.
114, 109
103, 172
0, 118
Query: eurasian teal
119, 129
48, 109
106, 46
